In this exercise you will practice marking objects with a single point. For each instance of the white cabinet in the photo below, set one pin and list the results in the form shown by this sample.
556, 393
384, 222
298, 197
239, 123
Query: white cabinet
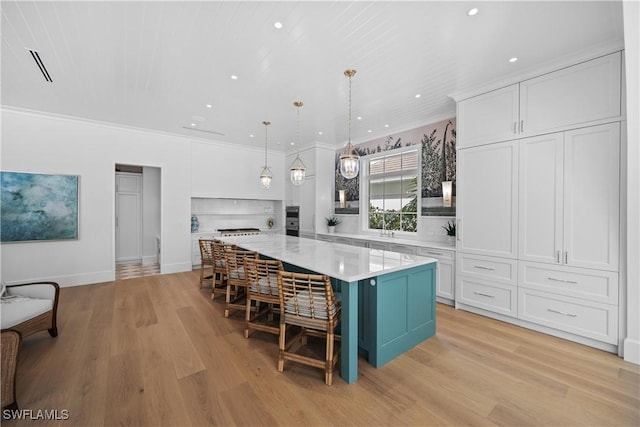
489, 117
487, 199
574, 96
569, 198
445, 273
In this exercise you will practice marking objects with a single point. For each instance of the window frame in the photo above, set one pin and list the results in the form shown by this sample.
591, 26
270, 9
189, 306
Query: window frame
365, 176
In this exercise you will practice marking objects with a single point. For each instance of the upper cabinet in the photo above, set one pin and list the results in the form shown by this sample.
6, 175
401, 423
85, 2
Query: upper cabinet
490, 117
573, 96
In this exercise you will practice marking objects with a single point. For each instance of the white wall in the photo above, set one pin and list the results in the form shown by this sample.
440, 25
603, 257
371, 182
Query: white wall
34, 142
631, 10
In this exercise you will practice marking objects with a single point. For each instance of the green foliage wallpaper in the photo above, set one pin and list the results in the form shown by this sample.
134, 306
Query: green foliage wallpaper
438, 163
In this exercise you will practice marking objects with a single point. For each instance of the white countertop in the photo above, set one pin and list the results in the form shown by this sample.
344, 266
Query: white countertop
344, 262
450, 246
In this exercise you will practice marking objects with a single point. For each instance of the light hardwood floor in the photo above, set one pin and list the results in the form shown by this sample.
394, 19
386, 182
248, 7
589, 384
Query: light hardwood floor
157, 351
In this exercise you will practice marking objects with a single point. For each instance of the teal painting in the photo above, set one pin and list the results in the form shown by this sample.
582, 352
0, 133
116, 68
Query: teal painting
36, 207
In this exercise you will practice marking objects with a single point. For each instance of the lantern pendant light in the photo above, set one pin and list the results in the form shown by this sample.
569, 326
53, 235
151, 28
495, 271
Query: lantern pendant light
349, 160
266, 174
298, 169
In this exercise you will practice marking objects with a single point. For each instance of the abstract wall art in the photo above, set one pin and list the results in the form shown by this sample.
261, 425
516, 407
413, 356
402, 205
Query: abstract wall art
37, 207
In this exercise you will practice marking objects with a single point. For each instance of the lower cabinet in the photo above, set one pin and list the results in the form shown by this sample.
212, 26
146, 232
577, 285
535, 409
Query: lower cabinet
445, 274
488, 283
588, 319
396, 312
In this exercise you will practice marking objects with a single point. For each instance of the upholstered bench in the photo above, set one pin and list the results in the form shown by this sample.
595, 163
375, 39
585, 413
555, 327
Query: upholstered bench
25, 310
30, 308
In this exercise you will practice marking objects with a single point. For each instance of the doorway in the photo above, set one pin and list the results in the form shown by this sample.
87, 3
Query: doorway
137, 221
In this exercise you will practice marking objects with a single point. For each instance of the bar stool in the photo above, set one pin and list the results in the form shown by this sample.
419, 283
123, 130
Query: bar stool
220, 268
308, 301
206, 261
236, 278
262, 277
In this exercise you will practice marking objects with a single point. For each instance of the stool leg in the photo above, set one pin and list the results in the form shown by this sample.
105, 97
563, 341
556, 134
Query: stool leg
328, 375
281, 344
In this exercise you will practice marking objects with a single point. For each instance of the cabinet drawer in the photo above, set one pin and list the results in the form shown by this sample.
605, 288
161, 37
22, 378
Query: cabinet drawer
494, 297
494, 269
586, 318
403, 249
439, 254
593, 285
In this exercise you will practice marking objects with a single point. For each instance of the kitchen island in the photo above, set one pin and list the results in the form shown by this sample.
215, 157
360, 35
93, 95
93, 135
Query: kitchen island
388, 298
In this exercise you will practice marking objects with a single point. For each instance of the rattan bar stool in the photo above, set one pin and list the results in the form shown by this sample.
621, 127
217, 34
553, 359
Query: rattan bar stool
206, 262
11, 343
308, 301
220, 268
262, 277
236, 278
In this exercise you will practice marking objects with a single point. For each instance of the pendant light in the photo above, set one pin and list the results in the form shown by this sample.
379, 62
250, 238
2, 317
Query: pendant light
266, 174
349, 160
298, 169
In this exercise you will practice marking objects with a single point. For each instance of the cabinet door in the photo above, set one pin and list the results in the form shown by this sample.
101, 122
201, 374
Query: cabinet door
540, 198
488, 200
445, 279
572, 96
591, 197
490, 117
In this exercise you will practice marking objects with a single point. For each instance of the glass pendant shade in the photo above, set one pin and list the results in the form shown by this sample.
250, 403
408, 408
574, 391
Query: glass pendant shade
265, 177
349, 163
298, 171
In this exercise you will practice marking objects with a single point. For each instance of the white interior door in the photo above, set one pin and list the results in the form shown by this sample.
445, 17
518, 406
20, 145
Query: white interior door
128, 217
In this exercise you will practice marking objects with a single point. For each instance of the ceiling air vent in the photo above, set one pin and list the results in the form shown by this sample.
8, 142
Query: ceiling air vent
43, 69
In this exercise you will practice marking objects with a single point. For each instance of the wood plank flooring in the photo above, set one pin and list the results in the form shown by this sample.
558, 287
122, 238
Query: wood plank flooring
157, 351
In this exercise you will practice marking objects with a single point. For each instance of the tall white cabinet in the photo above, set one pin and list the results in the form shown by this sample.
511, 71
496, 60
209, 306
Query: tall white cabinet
539, 203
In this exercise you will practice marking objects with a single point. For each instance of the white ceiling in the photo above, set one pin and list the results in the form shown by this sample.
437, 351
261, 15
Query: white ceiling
156, 65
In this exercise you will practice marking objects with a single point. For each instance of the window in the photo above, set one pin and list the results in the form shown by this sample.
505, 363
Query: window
393, 190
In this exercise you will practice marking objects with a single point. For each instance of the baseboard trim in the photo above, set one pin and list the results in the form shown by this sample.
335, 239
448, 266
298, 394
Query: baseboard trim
179, 267
73, 279
631, 349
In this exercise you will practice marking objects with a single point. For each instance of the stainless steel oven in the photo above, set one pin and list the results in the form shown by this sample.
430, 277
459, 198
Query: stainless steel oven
292, 221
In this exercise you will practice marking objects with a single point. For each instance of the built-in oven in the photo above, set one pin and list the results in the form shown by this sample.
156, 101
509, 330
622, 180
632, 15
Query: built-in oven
292, 221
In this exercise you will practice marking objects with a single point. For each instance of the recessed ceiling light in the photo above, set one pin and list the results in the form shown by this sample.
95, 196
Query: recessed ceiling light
418, 95
359, 117
278, 25
251, 136
386, 126
193, 124
514, 59
209, 106
369, 131
234, 77
473, 11
320, 133
293, 143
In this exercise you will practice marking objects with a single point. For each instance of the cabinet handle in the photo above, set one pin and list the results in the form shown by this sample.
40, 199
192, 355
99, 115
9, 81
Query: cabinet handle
515, 127
482, 267
561, 312
566, 257
558, 257
573, 282
434, 253
521, 126
484, 295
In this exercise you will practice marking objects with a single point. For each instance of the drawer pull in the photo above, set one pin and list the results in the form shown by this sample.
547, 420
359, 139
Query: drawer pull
562, 312
573, 282
482, 267
484, 295
435, 253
